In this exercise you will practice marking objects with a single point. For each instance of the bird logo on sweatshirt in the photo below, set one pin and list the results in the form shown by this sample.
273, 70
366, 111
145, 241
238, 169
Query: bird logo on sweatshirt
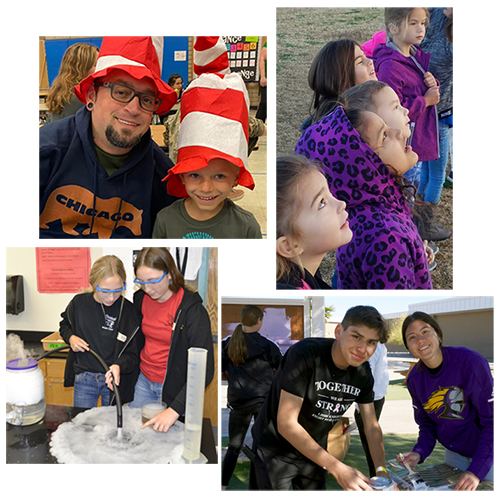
450, 401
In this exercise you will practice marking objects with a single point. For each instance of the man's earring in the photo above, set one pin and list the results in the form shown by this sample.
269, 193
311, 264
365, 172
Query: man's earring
90, 105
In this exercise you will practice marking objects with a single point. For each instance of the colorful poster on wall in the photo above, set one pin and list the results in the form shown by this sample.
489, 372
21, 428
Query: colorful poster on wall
62, 270
243, 52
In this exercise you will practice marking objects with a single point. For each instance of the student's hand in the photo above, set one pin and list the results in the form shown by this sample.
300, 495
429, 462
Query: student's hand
351, 479
163, 421
115, 370
468, 482
77, 344
429, 80
428, 253
412, 458
432, 96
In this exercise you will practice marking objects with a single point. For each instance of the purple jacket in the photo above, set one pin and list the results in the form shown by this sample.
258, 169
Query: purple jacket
386, 251
455, 407
406, 79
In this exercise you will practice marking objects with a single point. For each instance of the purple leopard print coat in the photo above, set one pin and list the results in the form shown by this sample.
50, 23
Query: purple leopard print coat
386, 251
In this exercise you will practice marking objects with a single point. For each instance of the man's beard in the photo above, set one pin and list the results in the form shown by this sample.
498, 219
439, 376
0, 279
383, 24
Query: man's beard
121, 141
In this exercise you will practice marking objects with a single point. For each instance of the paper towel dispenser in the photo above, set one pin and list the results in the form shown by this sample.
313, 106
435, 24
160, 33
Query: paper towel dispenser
14, 294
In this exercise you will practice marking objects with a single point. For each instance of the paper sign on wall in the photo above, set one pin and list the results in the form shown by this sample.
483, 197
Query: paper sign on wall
62, 270
179, 55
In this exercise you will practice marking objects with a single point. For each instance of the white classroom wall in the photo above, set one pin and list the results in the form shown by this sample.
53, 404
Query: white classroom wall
42, 311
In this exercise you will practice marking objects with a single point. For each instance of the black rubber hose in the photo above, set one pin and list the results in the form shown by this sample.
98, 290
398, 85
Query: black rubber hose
48, 353
119, 412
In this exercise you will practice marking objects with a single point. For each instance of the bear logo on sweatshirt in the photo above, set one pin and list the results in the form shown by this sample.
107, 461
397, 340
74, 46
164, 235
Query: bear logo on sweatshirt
77, 208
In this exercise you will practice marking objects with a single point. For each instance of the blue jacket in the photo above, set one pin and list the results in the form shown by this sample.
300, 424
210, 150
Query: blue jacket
79, 199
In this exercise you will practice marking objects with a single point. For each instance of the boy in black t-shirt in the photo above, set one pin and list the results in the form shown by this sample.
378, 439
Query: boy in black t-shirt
316, 383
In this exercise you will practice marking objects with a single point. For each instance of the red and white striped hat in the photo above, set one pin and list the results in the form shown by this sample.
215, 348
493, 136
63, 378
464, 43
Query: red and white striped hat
214, 124
210, 56
140, 57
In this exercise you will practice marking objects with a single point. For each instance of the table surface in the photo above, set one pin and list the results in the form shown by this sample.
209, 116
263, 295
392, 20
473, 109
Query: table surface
30, 444
435, 474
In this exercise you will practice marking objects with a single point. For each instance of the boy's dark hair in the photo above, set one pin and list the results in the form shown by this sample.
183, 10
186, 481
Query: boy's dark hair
426, 318
366, 316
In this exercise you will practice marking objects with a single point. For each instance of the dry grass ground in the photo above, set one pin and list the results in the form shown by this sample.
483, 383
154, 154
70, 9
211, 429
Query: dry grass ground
300, 34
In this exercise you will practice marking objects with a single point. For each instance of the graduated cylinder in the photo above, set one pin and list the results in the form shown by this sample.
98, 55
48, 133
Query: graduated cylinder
195, 393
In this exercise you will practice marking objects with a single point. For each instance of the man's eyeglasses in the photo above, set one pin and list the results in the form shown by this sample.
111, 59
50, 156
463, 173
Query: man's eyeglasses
152, 282
118, 290
124, 94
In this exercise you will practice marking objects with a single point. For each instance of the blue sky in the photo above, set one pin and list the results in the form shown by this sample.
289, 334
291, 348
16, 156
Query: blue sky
389, 304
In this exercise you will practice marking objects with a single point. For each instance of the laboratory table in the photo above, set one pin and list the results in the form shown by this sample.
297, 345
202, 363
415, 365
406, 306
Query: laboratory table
30, 444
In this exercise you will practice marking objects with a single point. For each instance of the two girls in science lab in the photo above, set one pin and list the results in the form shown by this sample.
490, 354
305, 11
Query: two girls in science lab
145, 344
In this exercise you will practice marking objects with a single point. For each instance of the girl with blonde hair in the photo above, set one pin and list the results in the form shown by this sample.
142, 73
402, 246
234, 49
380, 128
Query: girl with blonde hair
103, 320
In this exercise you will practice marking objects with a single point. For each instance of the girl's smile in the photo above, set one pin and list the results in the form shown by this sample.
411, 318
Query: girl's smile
424, 343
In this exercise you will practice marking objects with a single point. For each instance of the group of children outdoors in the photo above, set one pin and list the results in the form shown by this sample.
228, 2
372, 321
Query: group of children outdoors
371, 141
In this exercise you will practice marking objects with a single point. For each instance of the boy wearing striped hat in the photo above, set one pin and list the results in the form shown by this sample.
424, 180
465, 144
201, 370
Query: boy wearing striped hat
212, 154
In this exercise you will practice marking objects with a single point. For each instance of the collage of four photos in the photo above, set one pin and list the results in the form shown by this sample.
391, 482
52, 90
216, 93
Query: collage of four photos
359, 358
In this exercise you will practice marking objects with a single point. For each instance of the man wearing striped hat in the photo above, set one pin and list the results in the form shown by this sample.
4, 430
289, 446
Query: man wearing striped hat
100, 170
212, 153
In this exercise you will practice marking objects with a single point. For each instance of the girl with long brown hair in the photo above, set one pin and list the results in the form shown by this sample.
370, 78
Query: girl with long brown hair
173, 320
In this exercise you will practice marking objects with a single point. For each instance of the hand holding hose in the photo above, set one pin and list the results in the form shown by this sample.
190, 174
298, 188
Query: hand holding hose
113, 373
77, 344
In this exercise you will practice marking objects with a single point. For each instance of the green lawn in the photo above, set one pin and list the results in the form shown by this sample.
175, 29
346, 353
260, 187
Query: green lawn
397, 391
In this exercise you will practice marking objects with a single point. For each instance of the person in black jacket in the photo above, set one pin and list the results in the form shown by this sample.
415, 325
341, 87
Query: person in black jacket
249, 362
173, 320
103, 320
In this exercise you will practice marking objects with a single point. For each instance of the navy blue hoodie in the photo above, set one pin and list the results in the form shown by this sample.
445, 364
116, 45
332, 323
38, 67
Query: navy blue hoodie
79, 199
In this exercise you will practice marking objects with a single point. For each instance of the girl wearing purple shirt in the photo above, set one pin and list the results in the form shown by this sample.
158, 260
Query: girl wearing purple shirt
452, 394
363, 161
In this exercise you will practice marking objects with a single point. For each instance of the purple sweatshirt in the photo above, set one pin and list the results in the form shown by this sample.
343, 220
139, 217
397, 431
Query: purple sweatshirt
406, 79
386, 251
455, 407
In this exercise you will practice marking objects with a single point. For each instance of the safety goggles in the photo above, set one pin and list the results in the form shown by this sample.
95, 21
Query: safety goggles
152, 282
118, 290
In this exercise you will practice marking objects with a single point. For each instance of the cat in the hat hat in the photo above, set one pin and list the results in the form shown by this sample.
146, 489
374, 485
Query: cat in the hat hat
134, 64
212, 153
